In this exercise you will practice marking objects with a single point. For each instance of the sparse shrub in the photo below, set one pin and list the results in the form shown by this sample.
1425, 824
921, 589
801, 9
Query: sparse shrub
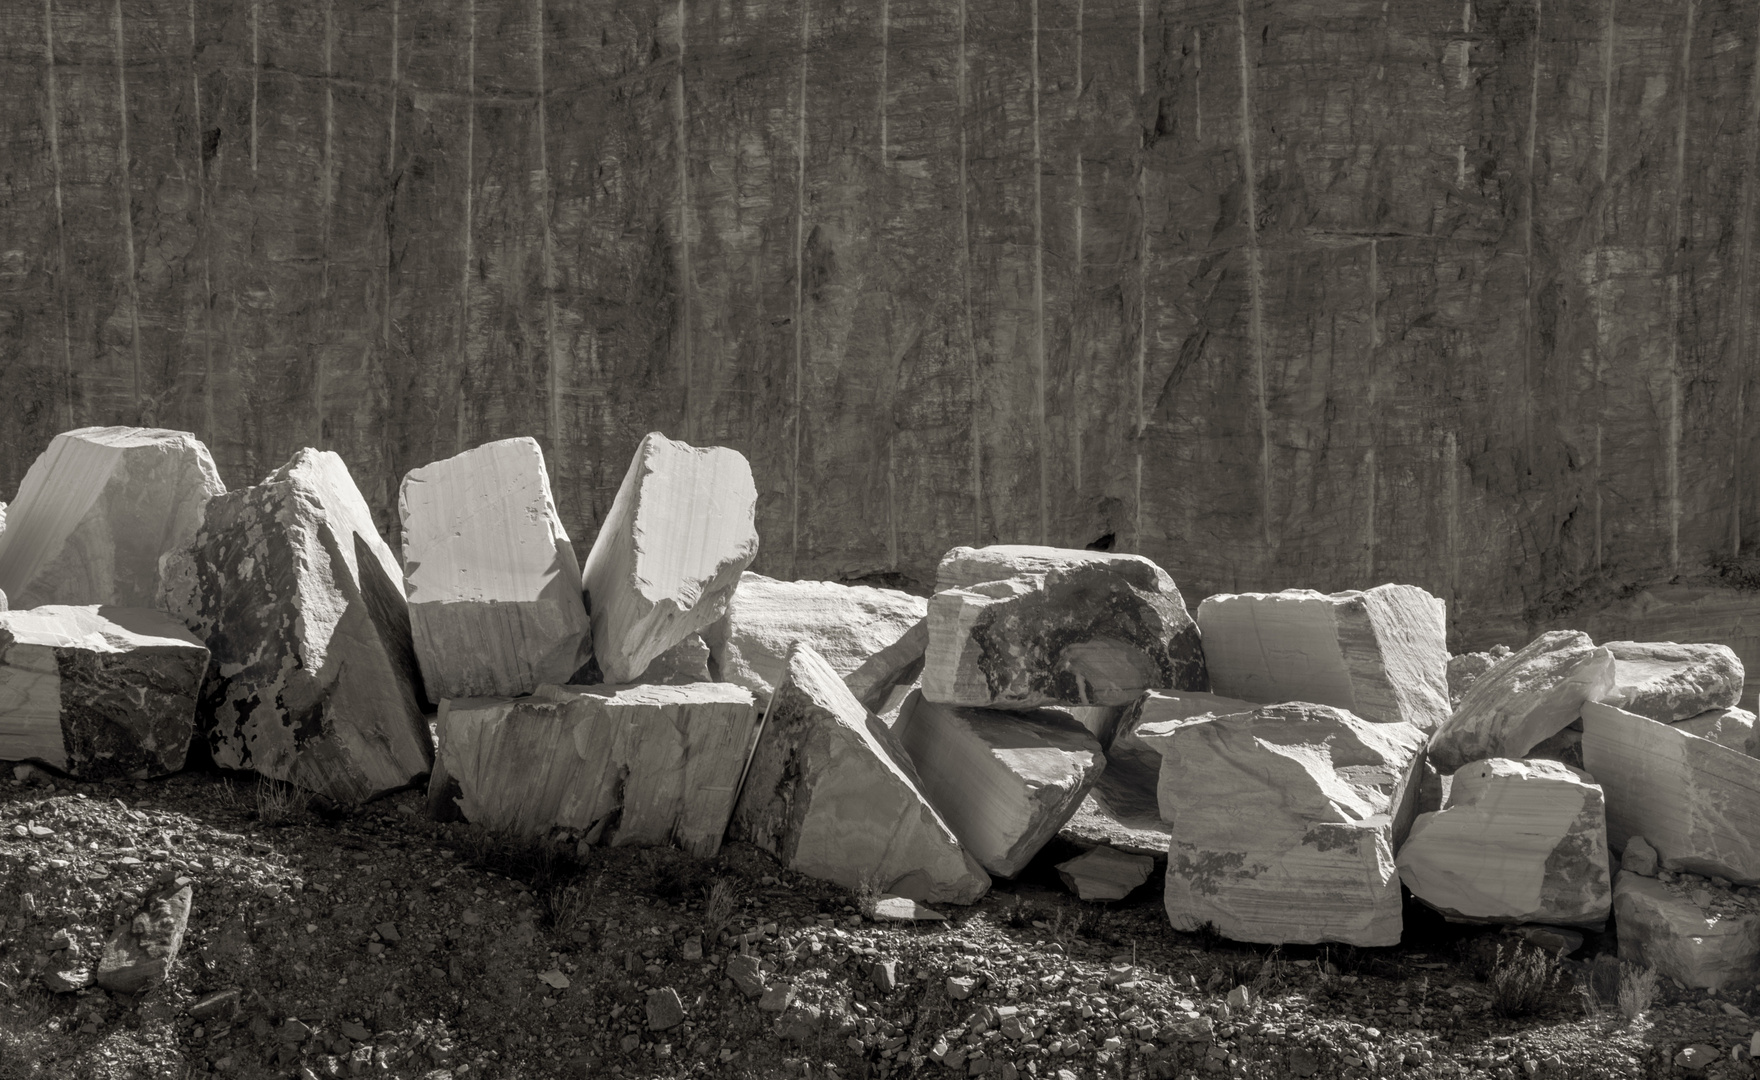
866, 895
673, 875
720, 899
1637, 991
1022, 914
1522, 981
542, 863
281, 803
562, 908
1090, 921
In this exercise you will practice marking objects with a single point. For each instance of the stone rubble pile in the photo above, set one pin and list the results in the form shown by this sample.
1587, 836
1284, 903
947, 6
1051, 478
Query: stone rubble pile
1294, 762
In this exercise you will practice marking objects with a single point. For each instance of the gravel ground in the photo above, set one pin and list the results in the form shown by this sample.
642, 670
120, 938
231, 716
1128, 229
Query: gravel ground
378, 943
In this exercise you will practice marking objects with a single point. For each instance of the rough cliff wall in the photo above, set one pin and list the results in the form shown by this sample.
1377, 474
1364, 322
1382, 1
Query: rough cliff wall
1278, 292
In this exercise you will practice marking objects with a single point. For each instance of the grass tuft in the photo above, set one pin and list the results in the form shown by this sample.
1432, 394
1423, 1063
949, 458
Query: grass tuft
1637, 991
280, 803
1522, 981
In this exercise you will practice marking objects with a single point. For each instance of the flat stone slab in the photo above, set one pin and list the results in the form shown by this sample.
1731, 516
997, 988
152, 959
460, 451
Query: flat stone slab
846, 625
1524, 699
1668, 682
1699, 933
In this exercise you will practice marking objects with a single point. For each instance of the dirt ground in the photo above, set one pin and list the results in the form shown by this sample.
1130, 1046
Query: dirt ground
378, 943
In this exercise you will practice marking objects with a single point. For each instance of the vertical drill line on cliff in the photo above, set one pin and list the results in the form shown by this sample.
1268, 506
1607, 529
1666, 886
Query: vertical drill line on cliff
256, 78
885, 46
202, 240
1142, 277
1744, 282
1075, 426
1676, 312
552, 356
325, 198
892, 406
1608, 44
1255, 279
1527, 411
390, 180
127, 207
800, 288
1369, 453
464, 277
965, 256
54, 98
1198, 84
1451, 465
681, 129
1039, 297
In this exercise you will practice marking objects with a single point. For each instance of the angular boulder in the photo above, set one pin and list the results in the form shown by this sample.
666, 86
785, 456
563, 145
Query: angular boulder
97, 510
312, 677
141, 952
1380, 654
1697, 803
832, 794
1005, 782
684, 663
845, 624
1668, 682
98, 692
669, 552
1465, 669
1105, 873
494, 589
1524, 699
633, 765
876, 681
1701, 934
1020, 627
1518, 842
1119, 812
1733, 728
1284, 824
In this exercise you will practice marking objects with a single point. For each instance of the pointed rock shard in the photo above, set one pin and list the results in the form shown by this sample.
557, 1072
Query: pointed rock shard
669, 553
1158, 712
98, 692
1697, 803
1284, 824
1518, 842
312, 677
494, 589
1733, 728
1665, 926
832, 794
1464, 670
97, 510
1381, 654
1004, 782
1524, 699
641, 765
1669, 682
898, 664
684, 663
1017, 627
141, 952
845, 625
1105, 873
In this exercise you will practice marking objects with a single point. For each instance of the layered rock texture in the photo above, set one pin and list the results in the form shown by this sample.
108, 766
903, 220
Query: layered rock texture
97, 510
312, 677
845, 624
98, 692
1669, 682
1524, 699
1381, 654
494, 588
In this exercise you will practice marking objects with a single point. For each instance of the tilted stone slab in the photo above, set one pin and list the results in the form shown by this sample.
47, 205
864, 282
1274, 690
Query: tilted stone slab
1004, 782
832, 794
97, 510
1069, 628
494, 587
1380, 654
670, 552
634, 765
899, 664
1120, 811
98, 692
845, 624
1668, 682
1158, 712
1523, 700
1700, 934
1518, 842
312, 677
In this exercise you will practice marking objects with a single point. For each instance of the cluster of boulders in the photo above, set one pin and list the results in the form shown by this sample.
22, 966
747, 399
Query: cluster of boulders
1294, 757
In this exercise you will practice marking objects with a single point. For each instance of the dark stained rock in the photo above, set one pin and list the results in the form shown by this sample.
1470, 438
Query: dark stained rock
141, 952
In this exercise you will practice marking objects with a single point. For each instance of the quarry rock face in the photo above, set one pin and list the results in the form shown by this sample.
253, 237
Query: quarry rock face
312, 677
494, 588
98, 692
669, 553
845, 624
1067, 628
1669, 682
1380, 654
831, 794
643, 765
1284, 824
1524, 699
96, 511
1518, 842
1699, 933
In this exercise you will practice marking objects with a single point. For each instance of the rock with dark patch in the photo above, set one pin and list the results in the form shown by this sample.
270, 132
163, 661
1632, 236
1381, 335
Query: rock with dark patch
1020, 627
832, 794
141, 951
845, 625
1518, 842
1668, 682
98, 692
1524, 699
1700, 933
312, 675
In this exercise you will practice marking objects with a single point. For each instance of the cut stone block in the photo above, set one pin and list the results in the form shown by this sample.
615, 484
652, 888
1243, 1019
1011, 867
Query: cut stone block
1733, 728
1159, 712
634, 765
494, 588
98, 691
845, 624
97, 510
1381, 654
1533, 694
832, 794
669, 553
1464, 670
1004, 782
1285, 822
1665, 926
1064, 628
1105, 873
1697, 803
1518, 842
898, 664
312, 677
141, 952
1669, 682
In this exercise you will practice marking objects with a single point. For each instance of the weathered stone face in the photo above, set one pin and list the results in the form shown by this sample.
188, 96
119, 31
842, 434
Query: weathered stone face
1523, 700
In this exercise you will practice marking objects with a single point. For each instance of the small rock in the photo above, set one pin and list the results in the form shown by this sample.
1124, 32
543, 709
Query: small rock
904, 909
387, 932
665, 1010
215, 1004
692, 949
801, 1022
554, 979
295, 1031
885, 974
746, 975
777, 997
354, 1031
1696, 1057
68, 981
960, 987
139, 953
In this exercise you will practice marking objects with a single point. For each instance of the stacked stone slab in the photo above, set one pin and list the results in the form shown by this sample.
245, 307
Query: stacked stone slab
97, 510
98, 692
670, 552
1523, 700
832, 794
494, 588
1019, 627
312, 676
845, 624
1380, 654
1669, 682
641, 765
